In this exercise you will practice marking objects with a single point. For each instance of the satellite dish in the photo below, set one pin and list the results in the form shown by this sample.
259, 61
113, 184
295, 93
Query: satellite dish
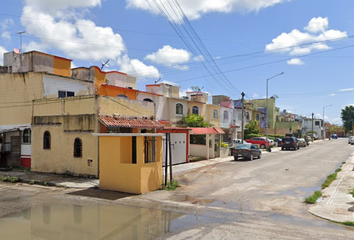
104, 64
17, 51
158, 80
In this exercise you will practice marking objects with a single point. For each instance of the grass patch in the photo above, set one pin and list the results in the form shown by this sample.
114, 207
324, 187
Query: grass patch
351, 191
338, 170
313, 198
349, 223
329, 180
171, 186
9, 179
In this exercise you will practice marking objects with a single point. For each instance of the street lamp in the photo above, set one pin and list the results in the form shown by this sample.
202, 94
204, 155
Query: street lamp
267, 145
323, 120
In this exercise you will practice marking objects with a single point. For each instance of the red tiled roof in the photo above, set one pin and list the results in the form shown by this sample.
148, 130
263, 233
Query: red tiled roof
211, 130
165, 122
129, 122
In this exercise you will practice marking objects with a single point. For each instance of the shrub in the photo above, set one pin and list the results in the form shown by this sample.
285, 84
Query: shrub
329, 180
171, 186
313, 198
224, 145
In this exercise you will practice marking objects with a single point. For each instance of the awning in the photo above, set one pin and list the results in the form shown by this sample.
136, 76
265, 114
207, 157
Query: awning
129, 122
212, 130
13, 128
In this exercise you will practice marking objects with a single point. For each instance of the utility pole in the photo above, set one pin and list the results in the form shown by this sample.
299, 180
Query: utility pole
312, 129
243, 107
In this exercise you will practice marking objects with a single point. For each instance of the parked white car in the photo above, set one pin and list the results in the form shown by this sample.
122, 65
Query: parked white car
351, 140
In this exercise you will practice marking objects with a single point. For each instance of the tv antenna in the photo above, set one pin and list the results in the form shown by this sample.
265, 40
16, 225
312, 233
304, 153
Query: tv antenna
158, 80
20, 33
104, 64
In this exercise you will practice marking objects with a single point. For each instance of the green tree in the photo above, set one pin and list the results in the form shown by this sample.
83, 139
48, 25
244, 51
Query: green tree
195, 121
251, 128
347, 116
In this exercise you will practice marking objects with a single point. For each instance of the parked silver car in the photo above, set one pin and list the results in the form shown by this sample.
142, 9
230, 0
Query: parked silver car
351, 140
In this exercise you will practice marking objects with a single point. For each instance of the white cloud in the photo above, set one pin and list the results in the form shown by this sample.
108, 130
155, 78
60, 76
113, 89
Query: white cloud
317, 25
295, 61
137, 68
255, 95
337, 121
346, 90
196, 8
199, 58
2, 51
300, 43
317, 115
333, 94
6, 35
170, 57
5, 25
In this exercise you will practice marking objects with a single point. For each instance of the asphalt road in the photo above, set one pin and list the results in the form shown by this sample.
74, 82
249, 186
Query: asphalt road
259, 199
263, 199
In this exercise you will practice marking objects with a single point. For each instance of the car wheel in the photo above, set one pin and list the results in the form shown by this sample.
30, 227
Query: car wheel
282, 149
235, 158
251, 157
260, 155
262, 146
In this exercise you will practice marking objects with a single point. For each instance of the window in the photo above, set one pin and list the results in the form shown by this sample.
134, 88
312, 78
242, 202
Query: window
247, 116
215, 114
77, 147
239, 116
147, 100
122, 96
46, 140
257, 117
226, 115
26, 136
195, 110
317, 123
198, 139
63, 94
150, 149
179, 109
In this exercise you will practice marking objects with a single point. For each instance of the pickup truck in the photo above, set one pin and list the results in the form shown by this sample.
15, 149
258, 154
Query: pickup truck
260, 141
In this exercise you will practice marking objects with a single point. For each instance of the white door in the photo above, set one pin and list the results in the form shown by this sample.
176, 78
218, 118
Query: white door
178, 148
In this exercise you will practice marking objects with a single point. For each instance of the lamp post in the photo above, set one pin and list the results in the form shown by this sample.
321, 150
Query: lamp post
323, 136
267, 145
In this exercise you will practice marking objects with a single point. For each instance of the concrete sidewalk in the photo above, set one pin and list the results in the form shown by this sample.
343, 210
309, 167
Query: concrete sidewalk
337, 204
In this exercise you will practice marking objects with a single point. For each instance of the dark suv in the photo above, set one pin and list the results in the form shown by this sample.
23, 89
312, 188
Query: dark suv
290, 142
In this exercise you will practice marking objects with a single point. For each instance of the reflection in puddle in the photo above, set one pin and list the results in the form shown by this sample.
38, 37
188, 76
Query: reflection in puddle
91, 222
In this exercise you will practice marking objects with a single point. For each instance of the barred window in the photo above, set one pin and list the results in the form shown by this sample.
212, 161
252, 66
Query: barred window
46, 140
215, 113
77, 147
226, 115
195, 110
26, 136
179, 109
150, 149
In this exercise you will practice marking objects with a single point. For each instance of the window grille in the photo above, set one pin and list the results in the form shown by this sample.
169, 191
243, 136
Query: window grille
150, 149
46, 140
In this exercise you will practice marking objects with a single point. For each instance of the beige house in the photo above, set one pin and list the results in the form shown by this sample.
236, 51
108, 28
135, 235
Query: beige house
63, 130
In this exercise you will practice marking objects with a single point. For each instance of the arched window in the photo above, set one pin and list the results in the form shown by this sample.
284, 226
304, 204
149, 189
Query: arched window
257, 117
147, 100
26, 136
179, 109
195, 110
46, 140
226, 115
77, 147
247, 116
239, 116
215, 114
122, 96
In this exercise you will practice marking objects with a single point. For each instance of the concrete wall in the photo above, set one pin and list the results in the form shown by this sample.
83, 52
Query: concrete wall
117, 172
60, 157
166, 90
124, 107
121, 80
209, 116
17, 92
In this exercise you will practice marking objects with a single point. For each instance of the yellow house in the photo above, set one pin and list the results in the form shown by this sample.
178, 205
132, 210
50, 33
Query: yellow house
130, 163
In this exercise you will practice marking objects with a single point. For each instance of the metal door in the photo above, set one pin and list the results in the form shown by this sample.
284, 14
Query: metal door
178, 148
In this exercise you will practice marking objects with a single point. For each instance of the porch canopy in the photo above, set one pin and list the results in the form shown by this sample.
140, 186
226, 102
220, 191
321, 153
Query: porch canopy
211, 130
129, 122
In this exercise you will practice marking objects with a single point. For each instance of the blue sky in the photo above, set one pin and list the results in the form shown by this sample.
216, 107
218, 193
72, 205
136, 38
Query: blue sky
239, 44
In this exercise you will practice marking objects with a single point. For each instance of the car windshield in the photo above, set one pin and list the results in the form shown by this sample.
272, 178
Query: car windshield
243, 146
301, 139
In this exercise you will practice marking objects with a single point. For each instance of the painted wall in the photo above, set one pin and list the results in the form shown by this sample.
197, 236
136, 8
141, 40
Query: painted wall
60, 157
121, 79
125, 107
62, 66
117, 172
209, 116
16, 101
166, 90
52, 84
169, 112
114, 91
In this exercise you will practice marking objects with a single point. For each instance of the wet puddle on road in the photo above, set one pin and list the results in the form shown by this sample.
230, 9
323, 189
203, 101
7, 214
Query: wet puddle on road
73, 222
